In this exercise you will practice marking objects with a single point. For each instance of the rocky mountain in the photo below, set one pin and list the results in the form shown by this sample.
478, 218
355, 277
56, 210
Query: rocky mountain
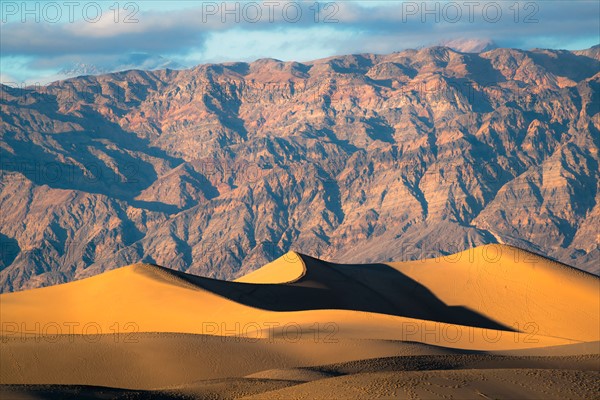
216, 169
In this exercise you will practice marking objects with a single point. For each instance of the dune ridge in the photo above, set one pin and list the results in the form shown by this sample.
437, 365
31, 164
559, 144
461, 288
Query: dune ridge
289, 268
512, 291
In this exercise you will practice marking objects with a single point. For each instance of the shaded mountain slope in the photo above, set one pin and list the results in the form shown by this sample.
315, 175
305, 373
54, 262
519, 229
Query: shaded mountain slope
363, 158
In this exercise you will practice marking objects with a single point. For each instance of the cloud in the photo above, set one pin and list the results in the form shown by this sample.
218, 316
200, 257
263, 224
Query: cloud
6, 79
166, 31
192, 31
104, 37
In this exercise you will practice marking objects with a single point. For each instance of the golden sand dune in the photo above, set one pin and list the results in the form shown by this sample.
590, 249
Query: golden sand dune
493, 287
286, 269
148, 327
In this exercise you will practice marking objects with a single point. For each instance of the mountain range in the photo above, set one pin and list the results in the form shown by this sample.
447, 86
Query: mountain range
216, 169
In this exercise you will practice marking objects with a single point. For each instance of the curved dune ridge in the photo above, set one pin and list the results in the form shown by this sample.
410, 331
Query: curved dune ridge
294, 313
495, 287
286, 269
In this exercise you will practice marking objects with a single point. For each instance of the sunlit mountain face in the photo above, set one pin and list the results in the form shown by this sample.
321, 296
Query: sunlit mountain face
217, 169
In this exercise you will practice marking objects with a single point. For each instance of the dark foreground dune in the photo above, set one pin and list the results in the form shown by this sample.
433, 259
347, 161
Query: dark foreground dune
421, 372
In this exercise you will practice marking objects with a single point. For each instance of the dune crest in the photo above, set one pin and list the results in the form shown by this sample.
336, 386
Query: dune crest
490, 291
516, 288
286, 269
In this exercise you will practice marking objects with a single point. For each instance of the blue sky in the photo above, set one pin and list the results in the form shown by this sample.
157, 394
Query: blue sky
39, 38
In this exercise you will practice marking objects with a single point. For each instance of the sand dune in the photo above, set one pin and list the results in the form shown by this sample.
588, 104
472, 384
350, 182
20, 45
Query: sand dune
462, 384
531, 296
516, 288
145, 327
286, 269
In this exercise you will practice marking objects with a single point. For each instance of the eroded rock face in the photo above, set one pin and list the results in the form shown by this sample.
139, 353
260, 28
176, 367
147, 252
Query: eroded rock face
217, 169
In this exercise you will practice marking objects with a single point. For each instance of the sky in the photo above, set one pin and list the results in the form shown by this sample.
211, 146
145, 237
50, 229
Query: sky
38, 39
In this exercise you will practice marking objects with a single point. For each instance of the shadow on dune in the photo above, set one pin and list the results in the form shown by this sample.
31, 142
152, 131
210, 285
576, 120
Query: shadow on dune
78, 392
374, 288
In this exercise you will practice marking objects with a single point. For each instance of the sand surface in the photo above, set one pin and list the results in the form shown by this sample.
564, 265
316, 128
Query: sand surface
485, 323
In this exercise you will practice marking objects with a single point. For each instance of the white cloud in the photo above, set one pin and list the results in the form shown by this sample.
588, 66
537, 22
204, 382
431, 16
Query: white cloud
192, 33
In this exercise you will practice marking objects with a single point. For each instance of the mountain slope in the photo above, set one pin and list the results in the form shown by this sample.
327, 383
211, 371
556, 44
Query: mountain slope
364, 158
